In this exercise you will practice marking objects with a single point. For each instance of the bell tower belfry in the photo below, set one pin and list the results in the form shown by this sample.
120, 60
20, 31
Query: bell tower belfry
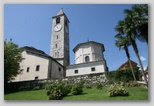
59, 48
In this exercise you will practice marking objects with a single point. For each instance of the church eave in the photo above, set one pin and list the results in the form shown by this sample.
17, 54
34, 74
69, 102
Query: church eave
39, 53
56, 61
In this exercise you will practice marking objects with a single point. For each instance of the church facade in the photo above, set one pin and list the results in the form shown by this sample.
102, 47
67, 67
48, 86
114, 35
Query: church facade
36, 65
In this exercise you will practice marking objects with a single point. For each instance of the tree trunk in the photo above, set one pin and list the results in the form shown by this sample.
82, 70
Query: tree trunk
138, 57
142, 70
132, 69
128, 56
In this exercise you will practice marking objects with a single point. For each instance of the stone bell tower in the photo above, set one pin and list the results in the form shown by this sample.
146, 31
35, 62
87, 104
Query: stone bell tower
60, 38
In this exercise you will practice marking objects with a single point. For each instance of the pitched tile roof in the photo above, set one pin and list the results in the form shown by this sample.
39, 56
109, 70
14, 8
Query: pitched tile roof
126, 64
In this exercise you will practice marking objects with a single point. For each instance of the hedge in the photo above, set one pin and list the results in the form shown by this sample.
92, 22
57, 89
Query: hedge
123, 75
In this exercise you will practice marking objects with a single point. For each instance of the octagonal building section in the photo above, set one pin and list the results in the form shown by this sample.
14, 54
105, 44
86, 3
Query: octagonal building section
88, 52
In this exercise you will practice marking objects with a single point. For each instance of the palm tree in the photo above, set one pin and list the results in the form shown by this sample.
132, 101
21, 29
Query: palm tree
138, 57
123, 42
139, 21
142, 28
131, 33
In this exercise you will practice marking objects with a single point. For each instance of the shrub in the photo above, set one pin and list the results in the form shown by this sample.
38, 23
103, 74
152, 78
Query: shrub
117, 91
99, 85
123, 75
88, 86
54, 92
57, 91
131, 84
41, 85
66, 89
77, 89
36, 88
110, 82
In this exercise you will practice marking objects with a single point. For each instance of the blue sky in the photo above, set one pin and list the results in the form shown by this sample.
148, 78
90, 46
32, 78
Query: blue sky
30, 25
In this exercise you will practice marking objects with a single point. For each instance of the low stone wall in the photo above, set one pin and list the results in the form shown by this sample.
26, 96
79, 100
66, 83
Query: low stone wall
89, 80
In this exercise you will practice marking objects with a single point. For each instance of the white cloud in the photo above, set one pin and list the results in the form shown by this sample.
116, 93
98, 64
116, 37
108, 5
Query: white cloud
142, 58
145, 68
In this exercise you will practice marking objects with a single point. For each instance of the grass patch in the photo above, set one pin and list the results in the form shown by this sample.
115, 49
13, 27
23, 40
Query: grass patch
136, 93
27, 95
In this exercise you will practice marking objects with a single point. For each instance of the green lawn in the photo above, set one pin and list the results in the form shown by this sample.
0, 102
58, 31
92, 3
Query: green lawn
136, 93
27, 95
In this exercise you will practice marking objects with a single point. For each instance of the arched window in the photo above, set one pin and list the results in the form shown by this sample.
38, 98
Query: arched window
87, 59
57, 20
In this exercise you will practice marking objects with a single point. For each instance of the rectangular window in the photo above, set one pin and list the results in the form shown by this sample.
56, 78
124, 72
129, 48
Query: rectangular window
93, 69
57, 20
76, 71
27, 69
56, 45
36, 78
57, 36
37, 67
59, 69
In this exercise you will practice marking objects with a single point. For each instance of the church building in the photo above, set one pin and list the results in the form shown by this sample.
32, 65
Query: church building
89, 59
36, 65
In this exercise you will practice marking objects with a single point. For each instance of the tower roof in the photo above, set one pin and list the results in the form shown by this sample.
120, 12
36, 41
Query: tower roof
60, 12
89, 42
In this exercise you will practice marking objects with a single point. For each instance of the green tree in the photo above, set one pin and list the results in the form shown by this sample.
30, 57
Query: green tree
138, 17
134, 18
132, 22
12, 59
123, 42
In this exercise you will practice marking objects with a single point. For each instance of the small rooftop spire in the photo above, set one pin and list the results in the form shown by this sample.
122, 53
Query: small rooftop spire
61, 12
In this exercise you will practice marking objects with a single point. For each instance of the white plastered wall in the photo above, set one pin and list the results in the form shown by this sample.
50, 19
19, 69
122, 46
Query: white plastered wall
84, 69
31, 60
94, 51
